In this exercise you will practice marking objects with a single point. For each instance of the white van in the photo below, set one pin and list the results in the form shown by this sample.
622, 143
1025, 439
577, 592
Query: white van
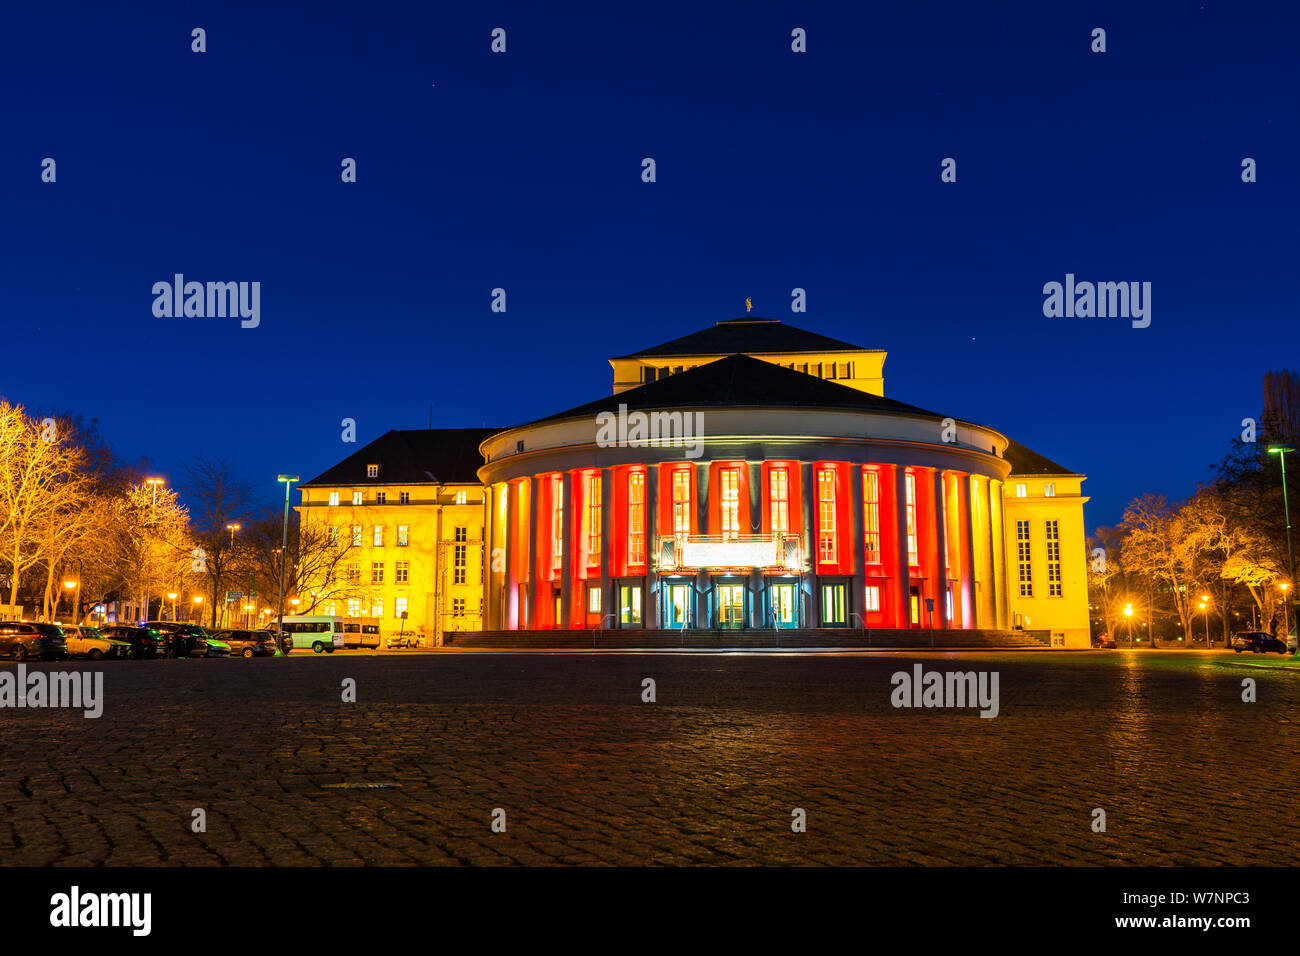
322, 634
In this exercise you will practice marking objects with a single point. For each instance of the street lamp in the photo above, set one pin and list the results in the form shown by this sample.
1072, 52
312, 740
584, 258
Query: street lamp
1205, 614
1280, 451
284, 550
198, 600
1285, 617
77, 600
172, 596
1128, 613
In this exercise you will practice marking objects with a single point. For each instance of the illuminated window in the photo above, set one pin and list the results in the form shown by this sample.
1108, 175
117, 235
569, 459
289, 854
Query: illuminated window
873, 598
377, 607
943, 523
402, 572
378, 536
871, 515
826, 515
403, 535
557, 522
1049, 490
372, 471
457, 607
681, 502
334, 536
356, 497
910, 483
356, 536
399, 608
593, 516
334, 499
1053, 558
331, 609
1021, 491
376, 572
354, 573
1023, 559
354, 607
458, 563
593, 599
636, 518
730, 505
461, 497
779, 493
381, 497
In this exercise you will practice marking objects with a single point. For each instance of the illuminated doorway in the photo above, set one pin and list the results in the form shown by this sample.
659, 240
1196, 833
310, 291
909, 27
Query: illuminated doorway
678, 599
782, 606
731, 605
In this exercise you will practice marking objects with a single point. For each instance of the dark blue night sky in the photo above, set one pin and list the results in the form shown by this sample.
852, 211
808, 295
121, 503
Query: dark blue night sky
523, 171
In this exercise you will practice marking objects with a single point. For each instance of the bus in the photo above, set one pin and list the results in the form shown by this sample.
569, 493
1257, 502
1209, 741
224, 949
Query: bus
322, 634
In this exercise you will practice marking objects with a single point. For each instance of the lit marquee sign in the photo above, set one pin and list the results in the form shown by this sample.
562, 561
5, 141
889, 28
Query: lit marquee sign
697, 553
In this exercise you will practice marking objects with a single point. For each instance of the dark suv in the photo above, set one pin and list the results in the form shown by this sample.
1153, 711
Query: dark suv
144, 641
1257, 642
183, 640
20, 640
248, 643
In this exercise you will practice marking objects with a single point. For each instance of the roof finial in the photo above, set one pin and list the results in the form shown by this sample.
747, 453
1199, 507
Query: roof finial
748, 305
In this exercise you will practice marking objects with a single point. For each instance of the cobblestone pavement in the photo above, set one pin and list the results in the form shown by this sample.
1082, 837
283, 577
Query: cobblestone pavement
589, 774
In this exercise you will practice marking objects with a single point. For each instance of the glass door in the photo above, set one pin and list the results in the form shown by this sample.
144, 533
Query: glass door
731, 605
677, 598
781, 606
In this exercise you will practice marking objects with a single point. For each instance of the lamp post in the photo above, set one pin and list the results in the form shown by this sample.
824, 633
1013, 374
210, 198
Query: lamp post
1128, 613
1286, 621
1280, 451
153, 504
77, 601
198, 601
284, 552
1206, 615
172, 596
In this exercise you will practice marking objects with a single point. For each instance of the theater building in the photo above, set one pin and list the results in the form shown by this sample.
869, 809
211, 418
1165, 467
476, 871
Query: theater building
754, 475
750, 475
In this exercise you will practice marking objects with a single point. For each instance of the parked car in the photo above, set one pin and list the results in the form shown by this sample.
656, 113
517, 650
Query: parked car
217, 648
183, 640
248, 643
1104, 641
144, 641
20, 640
1257, 642
86, 641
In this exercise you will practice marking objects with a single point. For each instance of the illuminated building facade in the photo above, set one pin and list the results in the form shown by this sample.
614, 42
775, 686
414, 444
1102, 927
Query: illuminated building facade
751, 475
757, 477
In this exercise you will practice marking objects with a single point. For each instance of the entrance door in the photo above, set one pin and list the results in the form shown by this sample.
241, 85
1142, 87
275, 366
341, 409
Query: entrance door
559, 621
834, 613
731, 605
915, 620
781, 605
629, 605
678, 599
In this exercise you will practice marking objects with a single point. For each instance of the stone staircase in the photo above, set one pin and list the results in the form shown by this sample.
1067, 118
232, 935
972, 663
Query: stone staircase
824, 638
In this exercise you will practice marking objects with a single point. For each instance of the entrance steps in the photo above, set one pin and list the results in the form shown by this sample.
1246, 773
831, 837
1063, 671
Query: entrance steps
828, 638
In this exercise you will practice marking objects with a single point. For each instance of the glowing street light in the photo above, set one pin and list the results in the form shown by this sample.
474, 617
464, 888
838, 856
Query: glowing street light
76, 602
1205, 603
1280, 451
1128, 613
172, 596
198, 600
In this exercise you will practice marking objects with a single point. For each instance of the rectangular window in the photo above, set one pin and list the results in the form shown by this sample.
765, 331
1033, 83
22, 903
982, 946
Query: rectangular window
334, 499
356, 498
377, 607
372, 471
461, 497
462, 534
872, 602
730, 506
826, 515
593, 599
833, 604
399, 608
381, 497
331, 609
403, 535
354, 607
402, 572
378, 536
457, 607
1049, 490
681, 501
557, 522
909, 482
779, 495
1022, 491
356, 536
334, 536
593, 517
636, 518
458, 563
871, 516
1023, 559
842, 371
1053, 558
376, 572
354, 573
403, 497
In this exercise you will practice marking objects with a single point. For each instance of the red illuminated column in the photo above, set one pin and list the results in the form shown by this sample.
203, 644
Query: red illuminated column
902, 583
512, 550
607, 602
940, 576
967, 539
651, 610
810, 615
534, 559
857, 600
566, 555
